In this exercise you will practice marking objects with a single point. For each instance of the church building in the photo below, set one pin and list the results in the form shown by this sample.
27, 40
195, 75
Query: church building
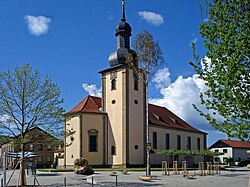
111, 131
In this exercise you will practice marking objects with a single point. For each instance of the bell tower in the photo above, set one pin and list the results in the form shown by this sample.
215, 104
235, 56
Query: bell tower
123, 96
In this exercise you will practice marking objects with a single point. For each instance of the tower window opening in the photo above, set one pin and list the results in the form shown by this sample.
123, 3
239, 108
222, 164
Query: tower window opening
113, 84
136, 83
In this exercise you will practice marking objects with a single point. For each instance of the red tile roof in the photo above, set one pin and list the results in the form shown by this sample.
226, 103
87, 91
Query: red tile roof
163, 117
157, 115
89, 104
237, 143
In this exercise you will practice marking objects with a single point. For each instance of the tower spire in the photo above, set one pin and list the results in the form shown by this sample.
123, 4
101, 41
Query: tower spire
123, 11
123, 33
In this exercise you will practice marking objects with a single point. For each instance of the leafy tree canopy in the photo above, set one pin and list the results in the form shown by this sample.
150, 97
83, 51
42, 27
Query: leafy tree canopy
226, 73
26, 101
150, 56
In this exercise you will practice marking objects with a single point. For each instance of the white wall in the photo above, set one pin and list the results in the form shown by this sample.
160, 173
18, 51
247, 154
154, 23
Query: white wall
161, 133
229, 153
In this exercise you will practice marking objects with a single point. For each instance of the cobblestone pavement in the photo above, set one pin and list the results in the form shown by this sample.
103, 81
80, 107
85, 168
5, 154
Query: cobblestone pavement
238, 177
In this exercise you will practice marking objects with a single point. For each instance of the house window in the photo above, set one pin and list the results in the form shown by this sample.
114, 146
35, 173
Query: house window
154, 140
40, 147
48, 159
49, 147
199, 144
167, 141
113, 150
216, 150
188, 143
224, 150
59, 147
31, 147
178, 142
93, 140
113, 84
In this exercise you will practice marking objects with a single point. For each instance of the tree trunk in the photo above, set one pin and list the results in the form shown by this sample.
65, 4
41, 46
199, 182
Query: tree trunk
22, 169
148, 171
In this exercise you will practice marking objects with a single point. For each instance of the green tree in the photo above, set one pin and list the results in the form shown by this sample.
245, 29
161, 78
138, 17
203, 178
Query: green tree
226, 40
28, 100
149, 60
3, 139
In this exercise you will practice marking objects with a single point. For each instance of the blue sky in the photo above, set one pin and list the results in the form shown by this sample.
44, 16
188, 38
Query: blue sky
71, 40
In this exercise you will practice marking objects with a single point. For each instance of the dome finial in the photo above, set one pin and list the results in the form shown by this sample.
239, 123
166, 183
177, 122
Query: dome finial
123, 11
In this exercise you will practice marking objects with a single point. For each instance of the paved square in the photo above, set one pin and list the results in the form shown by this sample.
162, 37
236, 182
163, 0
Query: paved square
238, 177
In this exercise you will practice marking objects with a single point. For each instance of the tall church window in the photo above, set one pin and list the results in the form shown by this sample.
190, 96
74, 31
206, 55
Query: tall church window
154, 140
188, 143
178, 142
113, 84
199, 144
113, 150
93, 137
167, 141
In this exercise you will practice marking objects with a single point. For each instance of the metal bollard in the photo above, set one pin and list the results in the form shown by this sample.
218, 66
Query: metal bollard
92, 181
116, 180
1, 182
65, 182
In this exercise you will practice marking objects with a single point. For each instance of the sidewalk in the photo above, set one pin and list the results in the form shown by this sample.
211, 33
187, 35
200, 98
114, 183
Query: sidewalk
238, 178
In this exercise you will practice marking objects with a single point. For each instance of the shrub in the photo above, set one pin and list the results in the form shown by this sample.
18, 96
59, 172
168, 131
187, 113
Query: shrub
243, 163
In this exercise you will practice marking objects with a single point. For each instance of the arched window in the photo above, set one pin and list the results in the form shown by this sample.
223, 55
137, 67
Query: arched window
113, 84
93, 139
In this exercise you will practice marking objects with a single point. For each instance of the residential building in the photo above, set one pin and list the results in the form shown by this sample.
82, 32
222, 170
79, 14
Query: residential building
235, 149
39, 142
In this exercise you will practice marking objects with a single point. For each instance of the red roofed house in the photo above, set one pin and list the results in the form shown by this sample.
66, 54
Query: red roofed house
235, 149
111, 131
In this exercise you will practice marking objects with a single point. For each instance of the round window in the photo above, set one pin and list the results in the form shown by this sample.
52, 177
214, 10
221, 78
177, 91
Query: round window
113, 101
136, 102
136, 147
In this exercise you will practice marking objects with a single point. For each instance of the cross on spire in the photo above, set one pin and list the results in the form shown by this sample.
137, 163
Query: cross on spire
123, 11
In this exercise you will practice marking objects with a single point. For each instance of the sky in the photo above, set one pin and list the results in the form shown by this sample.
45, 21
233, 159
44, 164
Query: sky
71, 40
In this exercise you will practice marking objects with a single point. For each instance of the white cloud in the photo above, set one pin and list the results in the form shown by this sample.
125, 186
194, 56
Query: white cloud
151, 17
37, 25
91, 89
7, 124
162, 78
180, 96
